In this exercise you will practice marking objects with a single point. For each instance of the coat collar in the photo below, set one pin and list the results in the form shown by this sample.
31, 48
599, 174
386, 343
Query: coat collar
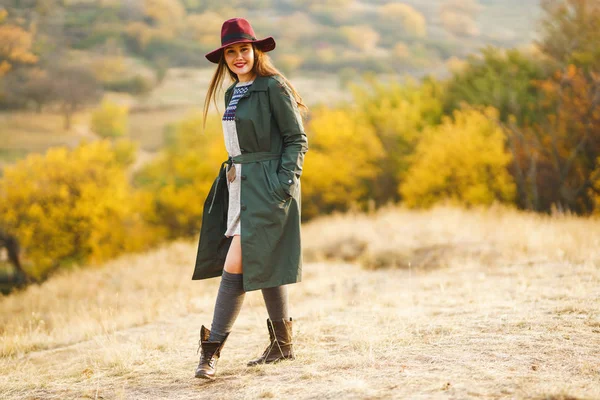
260, 84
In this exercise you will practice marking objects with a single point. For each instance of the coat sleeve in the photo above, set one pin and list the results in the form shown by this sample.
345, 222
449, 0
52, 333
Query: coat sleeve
295, 143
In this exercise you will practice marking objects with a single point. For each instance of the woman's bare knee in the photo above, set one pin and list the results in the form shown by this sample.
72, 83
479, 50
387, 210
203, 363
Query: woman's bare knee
233, 261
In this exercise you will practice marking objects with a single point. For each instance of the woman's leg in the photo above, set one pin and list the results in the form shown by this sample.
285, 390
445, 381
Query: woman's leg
276, 300
231, 293
233, 261
279, 325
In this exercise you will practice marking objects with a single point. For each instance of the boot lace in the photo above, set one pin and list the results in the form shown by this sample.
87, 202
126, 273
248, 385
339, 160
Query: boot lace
274, 341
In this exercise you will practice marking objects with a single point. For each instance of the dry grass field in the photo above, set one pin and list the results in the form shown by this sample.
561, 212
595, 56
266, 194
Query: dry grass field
439, 304
22, 133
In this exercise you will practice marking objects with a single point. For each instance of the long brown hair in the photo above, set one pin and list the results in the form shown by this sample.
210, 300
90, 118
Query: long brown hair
263, 66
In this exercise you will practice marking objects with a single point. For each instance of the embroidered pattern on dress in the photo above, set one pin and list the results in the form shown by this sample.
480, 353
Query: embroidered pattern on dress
233, 149
238, 92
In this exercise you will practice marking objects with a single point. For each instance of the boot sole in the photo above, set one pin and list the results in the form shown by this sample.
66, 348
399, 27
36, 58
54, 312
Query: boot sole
251, 364
204, 376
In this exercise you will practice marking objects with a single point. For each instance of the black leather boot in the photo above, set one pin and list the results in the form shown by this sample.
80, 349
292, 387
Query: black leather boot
281, 347
211, 351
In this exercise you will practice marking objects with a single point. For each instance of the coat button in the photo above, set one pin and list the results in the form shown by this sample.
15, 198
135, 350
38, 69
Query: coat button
243, 208
243, 177
290, 181
237, 119
243, 150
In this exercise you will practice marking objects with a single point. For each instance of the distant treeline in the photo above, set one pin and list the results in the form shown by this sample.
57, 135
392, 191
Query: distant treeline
507, 126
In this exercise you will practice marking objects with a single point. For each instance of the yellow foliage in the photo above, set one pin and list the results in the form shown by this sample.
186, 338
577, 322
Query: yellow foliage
71, 206
110, 120
343, 157
462, 161
398, 112
180, 178
125, 152
15, 47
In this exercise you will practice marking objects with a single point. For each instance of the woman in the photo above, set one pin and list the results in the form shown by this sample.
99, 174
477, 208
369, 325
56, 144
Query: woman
250, 232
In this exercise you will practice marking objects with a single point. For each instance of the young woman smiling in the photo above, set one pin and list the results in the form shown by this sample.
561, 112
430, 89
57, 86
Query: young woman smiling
250, 233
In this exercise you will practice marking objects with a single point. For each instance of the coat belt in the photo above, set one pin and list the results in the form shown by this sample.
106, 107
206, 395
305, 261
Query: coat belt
242, 159
254, 157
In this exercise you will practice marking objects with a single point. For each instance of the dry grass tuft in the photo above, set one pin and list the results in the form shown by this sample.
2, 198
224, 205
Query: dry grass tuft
400, 238
345, 249
559, 397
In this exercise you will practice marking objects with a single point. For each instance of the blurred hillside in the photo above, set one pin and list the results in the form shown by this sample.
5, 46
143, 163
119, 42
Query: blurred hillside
336, 36
65, 56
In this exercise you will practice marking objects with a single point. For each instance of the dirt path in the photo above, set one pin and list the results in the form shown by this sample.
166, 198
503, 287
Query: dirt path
470, 332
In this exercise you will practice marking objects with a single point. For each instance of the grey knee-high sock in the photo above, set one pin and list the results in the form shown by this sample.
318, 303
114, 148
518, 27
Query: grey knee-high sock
276, 300
229, 302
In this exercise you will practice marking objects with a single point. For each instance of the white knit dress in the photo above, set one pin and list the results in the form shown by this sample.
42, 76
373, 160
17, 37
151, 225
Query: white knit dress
232, 145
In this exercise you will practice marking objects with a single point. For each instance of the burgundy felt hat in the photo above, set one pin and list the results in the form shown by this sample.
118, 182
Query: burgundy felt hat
238, 30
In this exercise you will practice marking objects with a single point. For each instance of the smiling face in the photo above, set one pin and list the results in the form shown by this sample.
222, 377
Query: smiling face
240, 60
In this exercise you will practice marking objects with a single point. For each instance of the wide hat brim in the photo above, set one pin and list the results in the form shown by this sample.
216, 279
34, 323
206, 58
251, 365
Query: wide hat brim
265, 45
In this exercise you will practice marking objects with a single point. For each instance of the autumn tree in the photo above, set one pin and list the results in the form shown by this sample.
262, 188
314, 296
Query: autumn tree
72, 206
15, 48
15, 45
559, 154
345, 156
30, 85
560, 150
398, 113
570, 32
180, 178
462, 161
506, 80
75, 88
503, 79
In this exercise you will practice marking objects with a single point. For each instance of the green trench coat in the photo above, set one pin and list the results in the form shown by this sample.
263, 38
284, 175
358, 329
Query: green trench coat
273, 145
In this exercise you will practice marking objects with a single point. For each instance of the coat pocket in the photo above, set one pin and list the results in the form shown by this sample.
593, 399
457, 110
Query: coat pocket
274, 185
